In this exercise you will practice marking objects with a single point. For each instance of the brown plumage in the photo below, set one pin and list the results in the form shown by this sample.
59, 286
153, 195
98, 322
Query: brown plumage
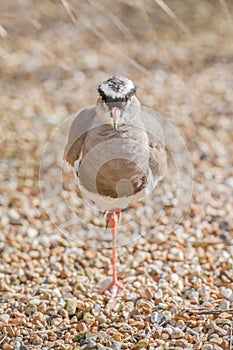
140, 152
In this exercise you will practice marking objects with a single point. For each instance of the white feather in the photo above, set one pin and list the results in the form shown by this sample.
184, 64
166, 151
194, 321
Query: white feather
107, 203
125, 88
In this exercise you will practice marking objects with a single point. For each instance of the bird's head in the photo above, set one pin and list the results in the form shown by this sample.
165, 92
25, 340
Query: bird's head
116, 94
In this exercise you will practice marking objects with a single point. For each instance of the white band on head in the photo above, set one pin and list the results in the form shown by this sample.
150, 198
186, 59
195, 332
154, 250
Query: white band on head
116, 87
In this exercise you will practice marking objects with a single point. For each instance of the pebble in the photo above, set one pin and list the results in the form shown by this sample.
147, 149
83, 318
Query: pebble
207, 347
216, 340
52, 336
181, 324
4, 318
175, 278
64, 313
81, 327
204, 291
177, 333
71, 306
154, 316
34, 301
66, 347
183, 343
117, 345
65, 273
96, 310
7, 347
102, 336
137, 284
36, 340
224, 305
143, 343
220, 331
52, 279
228, 293
213, 336
56, 293
89, 318
101, 319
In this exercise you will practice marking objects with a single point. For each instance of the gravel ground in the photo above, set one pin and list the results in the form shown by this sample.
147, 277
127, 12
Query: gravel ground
178, 285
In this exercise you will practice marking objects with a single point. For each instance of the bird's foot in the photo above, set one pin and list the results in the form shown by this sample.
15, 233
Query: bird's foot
114, 286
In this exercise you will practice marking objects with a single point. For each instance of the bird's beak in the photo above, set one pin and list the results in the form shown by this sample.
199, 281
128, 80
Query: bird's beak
116, 114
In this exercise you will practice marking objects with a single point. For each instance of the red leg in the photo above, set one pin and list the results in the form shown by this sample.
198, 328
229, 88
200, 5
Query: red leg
112, 219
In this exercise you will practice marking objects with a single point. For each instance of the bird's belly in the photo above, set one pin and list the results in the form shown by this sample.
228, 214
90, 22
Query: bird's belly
115, 166
120, 178
107, 203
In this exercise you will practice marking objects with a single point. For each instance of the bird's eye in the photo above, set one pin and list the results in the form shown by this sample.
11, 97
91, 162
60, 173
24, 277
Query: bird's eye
102, 98
129, 96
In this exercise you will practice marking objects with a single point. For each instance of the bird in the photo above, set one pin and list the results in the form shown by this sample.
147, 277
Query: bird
116, 158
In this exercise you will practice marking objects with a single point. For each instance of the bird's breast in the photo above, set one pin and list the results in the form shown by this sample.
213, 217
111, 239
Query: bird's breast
115, 163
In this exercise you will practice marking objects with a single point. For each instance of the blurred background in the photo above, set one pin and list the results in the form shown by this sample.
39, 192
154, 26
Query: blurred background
55, 53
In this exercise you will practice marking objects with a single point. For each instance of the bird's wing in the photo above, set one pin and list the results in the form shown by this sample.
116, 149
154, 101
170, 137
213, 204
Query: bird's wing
77, 134
158, 159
